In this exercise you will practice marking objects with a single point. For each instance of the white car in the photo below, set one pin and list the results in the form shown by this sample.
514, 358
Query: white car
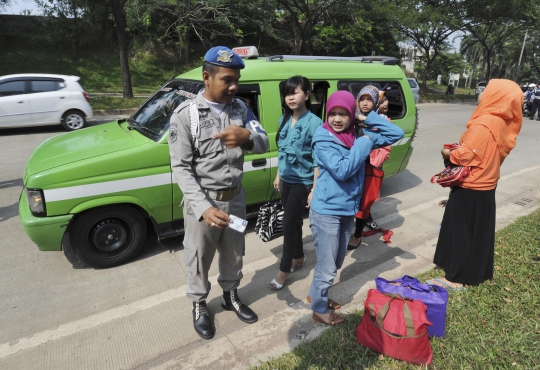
480, 87
415, 89
43, 99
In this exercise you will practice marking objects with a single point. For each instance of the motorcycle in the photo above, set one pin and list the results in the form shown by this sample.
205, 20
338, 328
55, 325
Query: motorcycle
449, 90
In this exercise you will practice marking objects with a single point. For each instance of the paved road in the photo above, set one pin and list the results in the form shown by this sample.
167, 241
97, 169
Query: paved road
57, 314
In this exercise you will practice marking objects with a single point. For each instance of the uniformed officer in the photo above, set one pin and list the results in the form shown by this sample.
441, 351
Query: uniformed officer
207, 159
536, 103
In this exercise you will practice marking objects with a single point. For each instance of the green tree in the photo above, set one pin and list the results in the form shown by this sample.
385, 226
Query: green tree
175, 21
427, 24
303, 16
67, 15
494, 23
358, 28
4, 4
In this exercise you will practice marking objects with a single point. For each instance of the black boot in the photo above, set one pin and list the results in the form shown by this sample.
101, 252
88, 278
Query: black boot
202, 322
233, 303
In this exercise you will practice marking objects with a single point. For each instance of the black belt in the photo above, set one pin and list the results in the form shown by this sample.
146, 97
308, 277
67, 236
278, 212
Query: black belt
223, 195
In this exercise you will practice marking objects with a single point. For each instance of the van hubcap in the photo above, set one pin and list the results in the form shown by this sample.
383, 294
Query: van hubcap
109, 235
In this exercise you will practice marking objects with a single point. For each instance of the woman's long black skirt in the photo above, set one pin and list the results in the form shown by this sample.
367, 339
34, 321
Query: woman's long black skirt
466, 245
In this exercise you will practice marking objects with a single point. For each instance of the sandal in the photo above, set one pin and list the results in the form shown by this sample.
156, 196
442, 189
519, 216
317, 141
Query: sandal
334, 319
351, 247
332, 305
274, 283
298, 265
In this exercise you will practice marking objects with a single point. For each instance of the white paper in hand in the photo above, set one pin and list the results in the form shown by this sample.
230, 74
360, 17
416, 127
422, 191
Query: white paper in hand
237, 224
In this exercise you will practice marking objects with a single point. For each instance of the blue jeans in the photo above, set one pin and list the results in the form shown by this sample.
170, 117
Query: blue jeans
330, 236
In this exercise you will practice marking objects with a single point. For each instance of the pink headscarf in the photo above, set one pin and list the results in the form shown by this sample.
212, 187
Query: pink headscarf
343, 99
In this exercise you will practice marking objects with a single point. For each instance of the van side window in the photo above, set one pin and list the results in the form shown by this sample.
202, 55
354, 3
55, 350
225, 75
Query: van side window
249, 94
319, 95
392, 89
12, 88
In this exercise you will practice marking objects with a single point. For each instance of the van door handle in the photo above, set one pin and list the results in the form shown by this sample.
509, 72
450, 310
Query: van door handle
259, 162
61, 97
20, 102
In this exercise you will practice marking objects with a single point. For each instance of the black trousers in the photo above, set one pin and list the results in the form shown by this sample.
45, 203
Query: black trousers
294, 200
466, 245
535, 108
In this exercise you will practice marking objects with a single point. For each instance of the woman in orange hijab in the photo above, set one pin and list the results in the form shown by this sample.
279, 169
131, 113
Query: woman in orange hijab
466, 245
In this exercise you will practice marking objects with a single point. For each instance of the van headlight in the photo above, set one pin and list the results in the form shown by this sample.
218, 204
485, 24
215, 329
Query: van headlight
36, 201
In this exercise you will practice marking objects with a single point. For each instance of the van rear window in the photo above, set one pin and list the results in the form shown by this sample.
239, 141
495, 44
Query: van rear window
392, 89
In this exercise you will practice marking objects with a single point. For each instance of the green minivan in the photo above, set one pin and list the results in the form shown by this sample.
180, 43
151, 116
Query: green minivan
101, 184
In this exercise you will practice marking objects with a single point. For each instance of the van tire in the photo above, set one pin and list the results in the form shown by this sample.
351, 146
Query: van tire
73, 120
108, 236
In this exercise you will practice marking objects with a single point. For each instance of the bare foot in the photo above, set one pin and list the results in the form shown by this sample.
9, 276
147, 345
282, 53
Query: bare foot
446, 284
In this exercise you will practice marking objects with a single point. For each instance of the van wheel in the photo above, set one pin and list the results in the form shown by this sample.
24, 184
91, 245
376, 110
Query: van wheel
108, 236
73, 120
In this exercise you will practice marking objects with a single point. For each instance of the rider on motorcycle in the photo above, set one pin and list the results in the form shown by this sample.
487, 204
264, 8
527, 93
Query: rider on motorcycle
529, 93
449, 90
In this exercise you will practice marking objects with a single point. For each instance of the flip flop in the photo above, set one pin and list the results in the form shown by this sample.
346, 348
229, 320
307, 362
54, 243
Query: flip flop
445, 285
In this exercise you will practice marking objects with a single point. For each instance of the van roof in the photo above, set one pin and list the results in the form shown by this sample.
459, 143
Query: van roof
273, 68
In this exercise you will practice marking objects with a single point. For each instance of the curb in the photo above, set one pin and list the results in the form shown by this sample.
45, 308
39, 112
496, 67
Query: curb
114, 112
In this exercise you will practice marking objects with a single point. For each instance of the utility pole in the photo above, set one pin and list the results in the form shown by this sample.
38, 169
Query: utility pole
520, 56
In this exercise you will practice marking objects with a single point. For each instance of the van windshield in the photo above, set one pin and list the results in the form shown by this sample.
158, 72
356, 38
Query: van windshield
152, 119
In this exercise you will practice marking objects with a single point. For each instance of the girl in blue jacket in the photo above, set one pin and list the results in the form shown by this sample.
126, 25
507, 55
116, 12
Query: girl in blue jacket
341, 156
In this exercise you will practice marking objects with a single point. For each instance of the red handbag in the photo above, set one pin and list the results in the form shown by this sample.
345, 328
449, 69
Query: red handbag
452, 175
395, 327
372, 186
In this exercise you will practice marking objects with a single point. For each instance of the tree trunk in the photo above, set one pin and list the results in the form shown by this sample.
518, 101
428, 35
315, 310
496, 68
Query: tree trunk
488, 65
117, 7
501, 62
76, 33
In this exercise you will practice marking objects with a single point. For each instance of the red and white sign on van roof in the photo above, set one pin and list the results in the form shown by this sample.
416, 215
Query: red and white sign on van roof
247, 51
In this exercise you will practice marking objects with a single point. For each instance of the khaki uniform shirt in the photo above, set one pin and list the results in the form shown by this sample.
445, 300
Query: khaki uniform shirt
212, 166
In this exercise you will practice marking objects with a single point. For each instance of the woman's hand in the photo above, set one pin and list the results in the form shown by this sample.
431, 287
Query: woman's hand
276, 182
445, 153
309, 199
360, 117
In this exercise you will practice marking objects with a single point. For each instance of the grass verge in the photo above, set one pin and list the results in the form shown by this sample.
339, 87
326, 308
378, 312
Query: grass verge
495, 325
448, 98
458, 90
100, 70
115, 102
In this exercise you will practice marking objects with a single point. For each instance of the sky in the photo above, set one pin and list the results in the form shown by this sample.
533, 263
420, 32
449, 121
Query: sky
17, 6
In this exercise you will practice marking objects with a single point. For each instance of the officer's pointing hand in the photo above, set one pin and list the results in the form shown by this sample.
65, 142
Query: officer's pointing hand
233, 136
216, 218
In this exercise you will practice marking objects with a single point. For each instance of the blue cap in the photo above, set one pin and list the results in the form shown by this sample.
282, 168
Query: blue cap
222, 56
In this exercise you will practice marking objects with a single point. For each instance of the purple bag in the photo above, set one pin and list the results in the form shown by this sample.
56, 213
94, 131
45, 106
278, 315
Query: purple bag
433, 296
